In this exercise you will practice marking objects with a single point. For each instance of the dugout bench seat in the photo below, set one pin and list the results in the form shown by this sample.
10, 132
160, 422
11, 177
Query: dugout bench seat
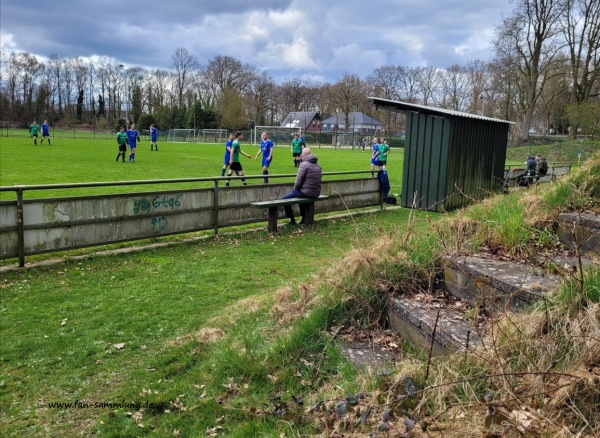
309, 214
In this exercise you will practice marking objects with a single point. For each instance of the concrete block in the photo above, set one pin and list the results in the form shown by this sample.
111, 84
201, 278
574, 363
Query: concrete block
415, 321
580, 229
496, 283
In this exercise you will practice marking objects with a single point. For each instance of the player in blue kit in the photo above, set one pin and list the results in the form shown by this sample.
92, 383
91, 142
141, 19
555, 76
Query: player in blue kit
266, 149
374, 156
45, 132
153, 137
228, 144
133, 137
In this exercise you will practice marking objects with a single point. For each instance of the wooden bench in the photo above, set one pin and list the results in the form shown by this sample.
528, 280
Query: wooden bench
309, 213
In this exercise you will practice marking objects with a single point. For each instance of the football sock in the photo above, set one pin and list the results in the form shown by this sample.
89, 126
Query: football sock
42, 142
266, 172
244, 182
118, 155
223, 172
48, 142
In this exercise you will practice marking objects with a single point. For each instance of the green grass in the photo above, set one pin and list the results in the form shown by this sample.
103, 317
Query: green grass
73, 161
562, 151
59, 326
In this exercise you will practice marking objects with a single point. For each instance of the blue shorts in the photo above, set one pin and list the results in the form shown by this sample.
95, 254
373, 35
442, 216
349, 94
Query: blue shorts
374, 162
226, 160
265, 162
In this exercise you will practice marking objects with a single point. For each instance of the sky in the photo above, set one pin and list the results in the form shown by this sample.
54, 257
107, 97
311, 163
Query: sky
314, 40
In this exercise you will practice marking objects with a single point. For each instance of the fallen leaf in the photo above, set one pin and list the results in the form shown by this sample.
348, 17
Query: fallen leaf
119, 346
64, 321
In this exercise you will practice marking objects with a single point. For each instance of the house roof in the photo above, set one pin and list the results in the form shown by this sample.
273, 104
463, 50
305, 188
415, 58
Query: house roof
355, 118
396, 105
299, 119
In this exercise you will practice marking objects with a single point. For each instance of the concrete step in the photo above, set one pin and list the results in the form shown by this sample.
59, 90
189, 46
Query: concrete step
415, 321
495, 283
580, 229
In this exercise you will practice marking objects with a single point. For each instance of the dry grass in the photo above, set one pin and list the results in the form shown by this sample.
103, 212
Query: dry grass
292, 304
206, 335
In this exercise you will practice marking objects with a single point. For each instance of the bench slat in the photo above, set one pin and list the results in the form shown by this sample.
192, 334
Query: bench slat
290, 201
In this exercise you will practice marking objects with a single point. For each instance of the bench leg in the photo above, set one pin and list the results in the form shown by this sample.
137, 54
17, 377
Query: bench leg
272, 227
309, 213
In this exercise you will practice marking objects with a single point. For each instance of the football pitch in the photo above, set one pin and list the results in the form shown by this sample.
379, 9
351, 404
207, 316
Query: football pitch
82, 160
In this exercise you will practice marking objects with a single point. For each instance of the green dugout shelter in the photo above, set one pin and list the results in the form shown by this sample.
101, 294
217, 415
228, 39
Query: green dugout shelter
450, 157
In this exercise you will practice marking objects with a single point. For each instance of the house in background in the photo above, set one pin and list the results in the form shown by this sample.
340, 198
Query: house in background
357, 123
306, 120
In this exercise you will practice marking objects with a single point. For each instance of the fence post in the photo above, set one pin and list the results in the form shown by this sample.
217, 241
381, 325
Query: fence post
216, 206
20, 229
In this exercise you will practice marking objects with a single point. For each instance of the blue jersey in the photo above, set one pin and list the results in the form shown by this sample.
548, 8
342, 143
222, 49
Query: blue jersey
153, 134
375, 154
132, 137
45, 129
265, 147
227, 152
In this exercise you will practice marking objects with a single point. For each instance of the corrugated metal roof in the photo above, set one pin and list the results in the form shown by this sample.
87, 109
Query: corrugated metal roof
405, 106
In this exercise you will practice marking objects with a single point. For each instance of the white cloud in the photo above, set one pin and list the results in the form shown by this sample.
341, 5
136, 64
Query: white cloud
7, 42
303, 38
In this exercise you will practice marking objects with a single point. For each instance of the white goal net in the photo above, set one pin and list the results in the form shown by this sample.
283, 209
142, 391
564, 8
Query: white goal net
181, 136
277, 134
212, 136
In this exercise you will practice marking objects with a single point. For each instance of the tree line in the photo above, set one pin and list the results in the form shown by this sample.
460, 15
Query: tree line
544, 75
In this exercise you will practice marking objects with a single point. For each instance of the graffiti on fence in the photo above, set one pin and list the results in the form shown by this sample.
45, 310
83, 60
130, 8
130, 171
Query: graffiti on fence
159, 223
158, 202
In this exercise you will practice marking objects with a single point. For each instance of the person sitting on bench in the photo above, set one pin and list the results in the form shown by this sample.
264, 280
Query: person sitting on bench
308, 183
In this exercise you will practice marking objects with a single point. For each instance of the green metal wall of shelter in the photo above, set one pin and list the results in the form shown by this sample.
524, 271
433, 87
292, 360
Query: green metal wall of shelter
450, 157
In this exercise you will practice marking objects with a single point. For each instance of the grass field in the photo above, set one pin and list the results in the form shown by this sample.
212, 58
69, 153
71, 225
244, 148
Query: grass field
72, 161
62, 325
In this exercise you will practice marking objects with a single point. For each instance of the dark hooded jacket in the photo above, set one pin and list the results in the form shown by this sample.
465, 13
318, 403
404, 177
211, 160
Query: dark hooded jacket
531, 165
308, 180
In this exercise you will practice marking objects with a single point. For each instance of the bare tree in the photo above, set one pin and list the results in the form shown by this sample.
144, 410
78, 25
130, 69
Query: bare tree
455, 88
386, 82
477, 77
530, 35
185, 66
429, 82
225, 73
410, 84
347, 95
258, 96
581, 28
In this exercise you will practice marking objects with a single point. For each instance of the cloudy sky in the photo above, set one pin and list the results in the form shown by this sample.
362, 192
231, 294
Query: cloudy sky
308, 39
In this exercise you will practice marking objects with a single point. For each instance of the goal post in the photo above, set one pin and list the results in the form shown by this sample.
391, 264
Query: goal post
181, 136
277, 134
